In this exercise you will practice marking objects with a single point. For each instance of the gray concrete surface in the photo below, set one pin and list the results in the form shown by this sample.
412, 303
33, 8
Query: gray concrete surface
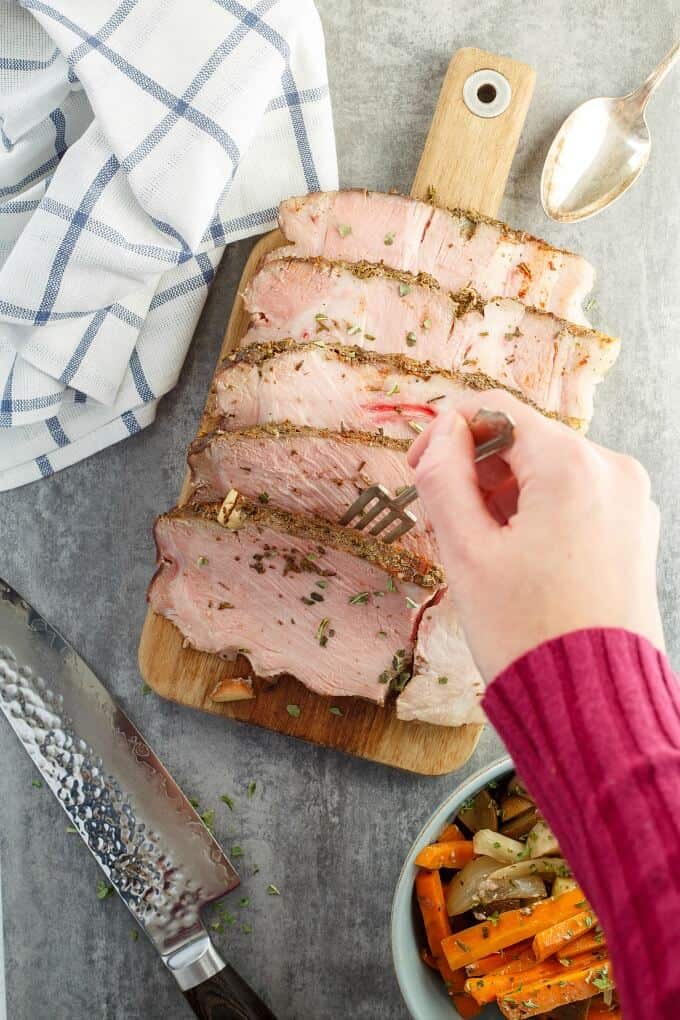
330, 831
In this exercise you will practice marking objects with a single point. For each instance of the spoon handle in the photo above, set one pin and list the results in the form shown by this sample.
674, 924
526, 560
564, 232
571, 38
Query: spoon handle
643, 94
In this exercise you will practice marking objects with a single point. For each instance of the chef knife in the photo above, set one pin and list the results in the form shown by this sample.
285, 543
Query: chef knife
143, 832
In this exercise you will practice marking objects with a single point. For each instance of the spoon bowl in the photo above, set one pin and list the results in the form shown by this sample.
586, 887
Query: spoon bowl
600, 150
596, 155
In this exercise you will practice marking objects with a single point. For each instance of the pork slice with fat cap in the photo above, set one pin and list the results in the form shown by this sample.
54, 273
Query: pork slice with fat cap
555, 364
295, 595
336, 387
460, 249
306, 470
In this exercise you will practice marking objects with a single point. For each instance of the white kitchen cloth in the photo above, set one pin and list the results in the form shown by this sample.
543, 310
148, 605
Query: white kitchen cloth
137, 138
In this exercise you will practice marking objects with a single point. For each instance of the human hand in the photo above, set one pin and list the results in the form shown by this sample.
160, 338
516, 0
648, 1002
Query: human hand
554, 535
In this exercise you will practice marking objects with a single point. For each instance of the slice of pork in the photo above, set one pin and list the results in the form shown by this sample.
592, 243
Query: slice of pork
335, 387
446, 688
295, 595
553, 363
305, 470
459, 249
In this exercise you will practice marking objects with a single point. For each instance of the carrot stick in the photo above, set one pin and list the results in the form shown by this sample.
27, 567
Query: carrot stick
551, 940
594, 939
512, 960
541, 997
428, 959
455, 982
466, 1005
430, 896
512, 926
455, 854
450, 834
495, 986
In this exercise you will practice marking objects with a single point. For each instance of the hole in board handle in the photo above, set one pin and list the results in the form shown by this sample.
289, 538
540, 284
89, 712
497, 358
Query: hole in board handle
487, 93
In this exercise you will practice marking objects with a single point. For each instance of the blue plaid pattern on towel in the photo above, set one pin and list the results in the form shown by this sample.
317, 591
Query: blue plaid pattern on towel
137, 139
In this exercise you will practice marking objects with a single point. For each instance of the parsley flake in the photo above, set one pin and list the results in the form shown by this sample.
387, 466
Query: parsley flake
103, 889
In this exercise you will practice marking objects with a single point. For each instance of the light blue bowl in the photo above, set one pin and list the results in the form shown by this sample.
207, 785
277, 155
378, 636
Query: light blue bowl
423, 990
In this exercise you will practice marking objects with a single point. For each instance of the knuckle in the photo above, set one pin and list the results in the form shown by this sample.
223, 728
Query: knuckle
635, 473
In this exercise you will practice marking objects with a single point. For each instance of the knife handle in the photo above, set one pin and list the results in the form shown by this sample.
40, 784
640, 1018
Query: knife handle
226, 996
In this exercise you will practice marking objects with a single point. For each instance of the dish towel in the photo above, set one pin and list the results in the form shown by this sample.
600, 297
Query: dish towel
137, 139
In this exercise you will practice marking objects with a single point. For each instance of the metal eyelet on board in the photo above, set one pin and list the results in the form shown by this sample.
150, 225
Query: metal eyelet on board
487, 93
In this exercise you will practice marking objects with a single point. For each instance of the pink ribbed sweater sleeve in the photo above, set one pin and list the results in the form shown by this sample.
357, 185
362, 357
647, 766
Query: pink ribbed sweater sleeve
592, 721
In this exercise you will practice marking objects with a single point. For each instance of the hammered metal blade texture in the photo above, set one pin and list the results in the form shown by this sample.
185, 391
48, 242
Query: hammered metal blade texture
142, 830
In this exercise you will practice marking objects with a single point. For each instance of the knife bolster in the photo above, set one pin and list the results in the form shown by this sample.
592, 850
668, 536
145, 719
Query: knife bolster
194, 962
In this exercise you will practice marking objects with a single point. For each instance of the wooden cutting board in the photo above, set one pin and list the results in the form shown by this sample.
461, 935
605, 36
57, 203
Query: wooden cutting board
465, 163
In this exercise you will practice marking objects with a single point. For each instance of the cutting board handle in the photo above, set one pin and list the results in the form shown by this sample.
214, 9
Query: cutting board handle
467, 156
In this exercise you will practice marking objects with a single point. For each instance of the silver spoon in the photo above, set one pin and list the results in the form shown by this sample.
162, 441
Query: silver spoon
599, 151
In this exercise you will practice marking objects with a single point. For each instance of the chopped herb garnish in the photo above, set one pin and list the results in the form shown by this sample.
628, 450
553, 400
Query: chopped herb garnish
134, 934
272, 890
369, 336
359, 599
410, 603
103, 889
411, 339
344, 229
236, 851
252, 787
382, 633
293, 710
247, 929
390, 584
334, 710
193, 802
202, 561
37, 783
263, 497
404, 289
463, 946
322, 634
316, 597
389, 238
589, 305
353, 330
394, 388
320, 317
229, 801
307, 601
208, 818
443, 680
415, 427
71, 828
602, 981
427, 323
322, 584
244, 901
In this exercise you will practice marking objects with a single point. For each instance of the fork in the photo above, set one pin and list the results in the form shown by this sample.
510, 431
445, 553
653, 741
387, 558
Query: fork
375, 499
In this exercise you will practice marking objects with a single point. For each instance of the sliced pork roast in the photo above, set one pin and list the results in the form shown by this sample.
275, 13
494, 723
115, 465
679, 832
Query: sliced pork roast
336, 387
553, 363
305, 470
295, 595
446, 687
319, 472
459, 249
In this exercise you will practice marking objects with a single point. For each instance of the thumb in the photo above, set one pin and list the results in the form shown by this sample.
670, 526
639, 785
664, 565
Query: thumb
447, 483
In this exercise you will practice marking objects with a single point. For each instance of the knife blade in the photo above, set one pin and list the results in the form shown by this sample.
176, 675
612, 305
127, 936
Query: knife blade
141, 829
